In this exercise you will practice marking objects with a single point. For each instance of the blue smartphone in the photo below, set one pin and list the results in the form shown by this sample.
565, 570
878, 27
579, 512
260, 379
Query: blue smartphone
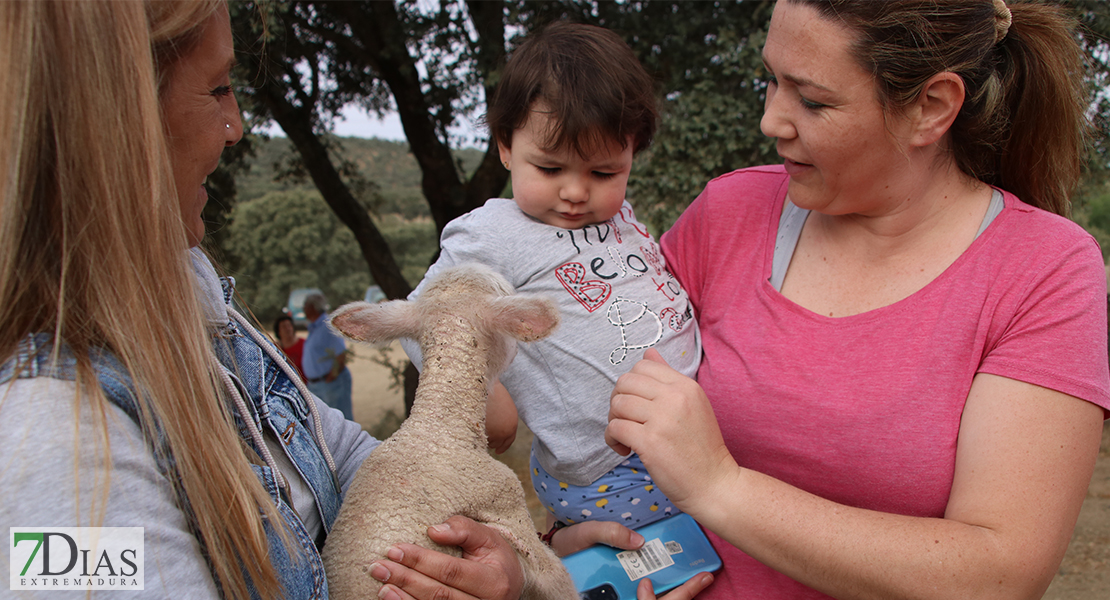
674, 550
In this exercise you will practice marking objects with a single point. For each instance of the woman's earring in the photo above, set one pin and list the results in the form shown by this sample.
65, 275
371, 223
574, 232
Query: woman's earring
227, 125
506, 163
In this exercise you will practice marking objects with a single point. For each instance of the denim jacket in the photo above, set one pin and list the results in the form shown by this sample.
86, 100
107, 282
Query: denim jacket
272, 403
276, 405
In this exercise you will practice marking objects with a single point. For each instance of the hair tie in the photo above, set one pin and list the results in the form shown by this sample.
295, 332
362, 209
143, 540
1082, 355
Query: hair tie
1002, 20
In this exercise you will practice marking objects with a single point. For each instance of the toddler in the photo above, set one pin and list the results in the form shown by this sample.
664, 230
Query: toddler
572, 108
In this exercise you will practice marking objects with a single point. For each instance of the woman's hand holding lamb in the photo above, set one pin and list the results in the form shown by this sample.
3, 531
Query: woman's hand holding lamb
489, 567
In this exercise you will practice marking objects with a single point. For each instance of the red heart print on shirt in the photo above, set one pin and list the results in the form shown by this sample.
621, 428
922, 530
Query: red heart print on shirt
671, 317
591, 294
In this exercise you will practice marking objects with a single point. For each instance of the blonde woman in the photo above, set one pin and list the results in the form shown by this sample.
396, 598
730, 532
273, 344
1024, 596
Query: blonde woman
130, 393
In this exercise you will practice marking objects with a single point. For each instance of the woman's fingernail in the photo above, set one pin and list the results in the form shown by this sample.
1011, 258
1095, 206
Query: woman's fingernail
388, 593
441, 528
637, 539
394, 554
377, 571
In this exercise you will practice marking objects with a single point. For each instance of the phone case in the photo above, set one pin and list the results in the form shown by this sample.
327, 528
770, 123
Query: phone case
674, 550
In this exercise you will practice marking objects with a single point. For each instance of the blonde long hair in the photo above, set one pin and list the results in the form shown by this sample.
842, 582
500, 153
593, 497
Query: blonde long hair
92, 245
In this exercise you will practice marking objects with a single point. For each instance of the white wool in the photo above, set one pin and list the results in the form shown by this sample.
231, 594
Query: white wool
436, 465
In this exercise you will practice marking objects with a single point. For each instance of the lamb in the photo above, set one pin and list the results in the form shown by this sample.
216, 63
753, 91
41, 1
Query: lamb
436, 465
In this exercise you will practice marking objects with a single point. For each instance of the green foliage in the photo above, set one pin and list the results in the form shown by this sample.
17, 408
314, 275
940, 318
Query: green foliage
1092, 212
289, 239
709, 128
1094, 28
283, 236
1099, 213
263, 175
414, 243
388, 164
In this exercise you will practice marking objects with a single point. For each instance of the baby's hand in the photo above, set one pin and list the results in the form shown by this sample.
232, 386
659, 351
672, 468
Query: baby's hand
501, 419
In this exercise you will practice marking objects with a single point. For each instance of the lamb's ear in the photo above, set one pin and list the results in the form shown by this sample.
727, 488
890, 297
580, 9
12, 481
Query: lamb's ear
375, 323
523, 316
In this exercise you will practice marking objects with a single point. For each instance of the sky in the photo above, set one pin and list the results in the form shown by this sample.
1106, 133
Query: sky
357, 123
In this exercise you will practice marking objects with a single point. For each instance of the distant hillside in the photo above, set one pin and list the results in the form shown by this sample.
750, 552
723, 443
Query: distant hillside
281, 235
387, 164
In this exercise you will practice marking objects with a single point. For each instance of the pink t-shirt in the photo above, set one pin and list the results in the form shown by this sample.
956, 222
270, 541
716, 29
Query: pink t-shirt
865, 410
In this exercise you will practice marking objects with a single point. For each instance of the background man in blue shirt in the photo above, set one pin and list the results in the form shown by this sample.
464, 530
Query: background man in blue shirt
325, 358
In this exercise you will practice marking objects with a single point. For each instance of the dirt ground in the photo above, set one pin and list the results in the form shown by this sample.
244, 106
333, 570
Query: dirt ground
1084, 574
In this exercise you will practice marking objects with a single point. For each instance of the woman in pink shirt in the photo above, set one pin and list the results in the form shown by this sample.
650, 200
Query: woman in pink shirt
905, 370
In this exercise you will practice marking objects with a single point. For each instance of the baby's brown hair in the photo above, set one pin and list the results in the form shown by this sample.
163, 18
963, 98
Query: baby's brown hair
588, 79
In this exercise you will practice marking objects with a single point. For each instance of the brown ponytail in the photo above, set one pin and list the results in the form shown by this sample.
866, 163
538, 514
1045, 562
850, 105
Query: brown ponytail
1022, 126
1046, 97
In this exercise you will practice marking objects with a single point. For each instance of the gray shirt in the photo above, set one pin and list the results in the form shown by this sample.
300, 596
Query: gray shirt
616, 299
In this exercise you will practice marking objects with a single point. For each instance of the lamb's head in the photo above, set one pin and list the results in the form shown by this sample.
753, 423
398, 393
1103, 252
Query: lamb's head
469, 293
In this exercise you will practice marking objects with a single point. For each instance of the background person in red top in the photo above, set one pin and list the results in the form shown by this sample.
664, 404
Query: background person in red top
288, 341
